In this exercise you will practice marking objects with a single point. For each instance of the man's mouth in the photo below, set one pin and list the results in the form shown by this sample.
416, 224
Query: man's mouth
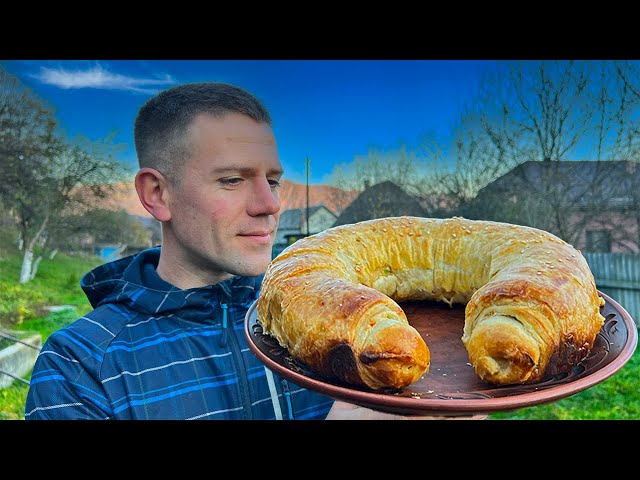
259, 236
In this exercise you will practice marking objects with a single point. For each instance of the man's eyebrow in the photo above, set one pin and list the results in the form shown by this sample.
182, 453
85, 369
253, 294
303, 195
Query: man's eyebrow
266, 141
245, 170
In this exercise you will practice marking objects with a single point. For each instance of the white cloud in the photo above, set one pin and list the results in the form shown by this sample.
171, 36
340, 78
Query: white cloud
98, 77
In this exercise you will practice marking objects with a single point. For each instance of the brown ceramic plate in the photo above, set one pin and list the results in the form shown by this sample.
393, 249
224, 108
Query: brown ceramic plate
451, 388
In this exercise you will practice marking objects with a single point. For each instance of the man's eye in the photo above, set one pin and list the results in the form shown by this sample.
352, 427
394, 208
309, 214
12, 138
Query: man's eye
274, 183
230, 181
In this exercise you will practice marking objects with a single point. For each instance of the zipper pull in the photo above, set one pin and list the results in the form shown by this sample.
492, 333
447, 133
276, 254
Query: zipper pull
223, 334
287, 397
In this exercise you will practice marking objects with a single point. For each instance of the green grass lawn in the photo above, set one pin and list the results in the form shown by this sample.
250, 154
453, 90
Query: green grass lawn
12, 399
56, 283
616, 398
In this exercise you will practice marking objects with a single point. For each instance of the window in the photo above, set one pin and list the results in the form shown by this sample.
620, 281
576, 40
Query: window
294, 237
598, 241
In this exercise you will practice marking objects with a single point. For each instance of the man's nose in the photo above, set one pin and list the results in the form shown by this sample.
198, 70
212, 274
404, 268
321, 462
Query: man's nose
264, 199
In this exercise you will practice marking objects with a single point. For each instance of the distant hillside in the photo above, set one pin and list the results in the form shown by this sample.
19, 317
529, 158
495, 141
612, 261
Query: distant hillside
292, 195
126, 197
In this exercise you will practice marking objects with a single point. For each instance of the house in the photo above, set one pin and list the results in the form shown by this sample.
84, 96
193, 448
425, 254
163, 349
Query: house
594, 205
385, 199
293, 224
298, 195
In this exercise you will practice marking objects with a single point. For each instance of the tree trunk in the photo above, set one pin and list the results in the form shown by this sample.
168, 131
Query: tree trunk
28, 271
27, 262
34, 268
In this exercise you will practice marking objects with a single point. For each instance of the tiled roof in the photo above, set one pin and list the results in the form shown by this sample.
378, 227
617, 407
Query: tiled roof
385, 199
294, 195
580, 181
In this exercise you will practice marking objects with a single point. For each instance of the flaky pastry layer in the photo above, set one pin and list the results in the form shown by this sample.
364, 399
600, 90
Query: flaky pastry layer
331, 299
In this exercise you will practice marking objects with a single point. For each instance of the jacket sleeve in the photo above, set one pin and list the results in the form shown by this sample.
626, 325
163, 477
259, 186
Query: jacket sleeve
65, 384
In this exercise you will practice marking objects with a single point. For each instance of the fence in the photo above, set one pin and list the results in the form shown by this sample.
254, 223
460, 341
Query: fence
618, 275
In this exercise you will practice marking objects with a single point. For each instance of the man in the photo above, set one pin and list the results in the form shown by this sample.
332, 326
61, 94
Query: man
165, 339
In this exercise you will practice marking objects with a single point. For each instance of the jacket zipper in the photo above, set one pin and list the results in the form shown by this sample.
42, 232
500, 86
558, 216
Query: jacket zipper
287, 396
237, 360
223, 334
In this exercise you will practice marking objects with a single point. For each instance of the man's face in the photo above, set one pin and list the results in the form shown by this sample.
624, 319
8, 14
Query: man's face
224, 205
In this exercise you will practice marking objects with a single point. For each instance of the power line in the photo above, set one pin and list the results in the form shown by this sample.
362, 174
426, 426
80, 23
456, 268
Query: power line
15, 339
15, 377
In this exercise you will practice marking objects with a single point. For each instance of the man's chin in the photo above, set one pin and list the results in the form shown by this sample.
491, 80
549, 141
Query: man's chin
253, 265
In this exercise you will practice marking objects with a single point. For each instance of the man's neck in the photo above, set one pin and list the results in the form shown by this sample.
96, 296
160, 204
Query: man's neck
184, 275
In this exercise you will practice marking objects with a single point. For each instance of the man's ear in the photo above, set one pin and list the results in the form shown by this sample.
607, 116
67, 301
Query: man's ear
152, 192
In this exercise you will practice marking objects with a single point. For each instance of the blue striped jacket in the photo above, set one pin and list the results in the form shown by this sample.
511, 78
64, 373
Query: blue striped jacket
149, 350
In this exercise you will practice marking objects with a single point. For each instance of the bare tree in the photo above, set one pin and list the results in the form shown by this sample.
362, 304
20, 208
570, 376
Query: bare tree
41, 171
406, 167
549, 112
27, 139
342, 195
480, 157
401, 166
99, 226
570, 118
628, 147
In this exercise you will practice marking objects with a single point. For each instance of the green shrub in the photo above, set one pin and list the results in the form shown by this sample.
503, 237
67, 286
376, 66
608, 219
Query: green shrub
57, 282
72, 280
52, 322
18, 302
12, 401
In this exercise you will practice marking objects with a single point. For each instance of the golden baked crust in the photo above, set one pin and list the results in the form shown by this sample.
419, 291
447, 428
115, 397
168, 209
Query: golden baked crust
532, 307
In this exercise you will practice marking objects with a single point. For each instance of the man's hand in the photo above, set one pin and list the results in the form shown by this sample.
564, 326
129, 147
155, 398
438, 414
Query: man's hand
347, 411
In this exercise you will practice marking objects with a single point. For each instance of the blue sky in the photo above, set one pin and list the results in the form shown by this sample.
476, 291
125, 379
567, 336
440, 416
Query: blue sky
327, 110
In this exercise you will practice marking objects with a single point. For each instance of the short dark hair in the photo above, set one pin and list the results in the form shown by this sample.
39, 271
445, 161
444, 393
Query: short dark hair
161, 126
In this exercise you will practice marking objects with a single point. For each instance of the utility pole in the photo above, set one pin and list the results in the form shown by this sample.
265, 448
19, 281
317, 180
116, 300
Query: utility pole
307, 214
